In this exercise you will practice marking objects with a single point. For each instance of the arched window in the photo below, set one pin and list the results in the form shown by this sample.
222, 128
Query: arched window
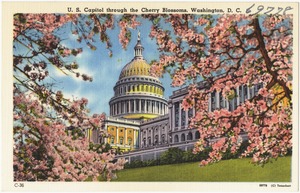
182, 137
163, 138
176, 139
144, 141
156, 139
197, 135
149, 141
190, 136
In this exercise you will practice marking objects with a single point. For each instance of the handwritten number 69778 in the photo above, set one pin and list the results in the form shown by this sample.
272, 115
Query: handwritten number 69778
268, 10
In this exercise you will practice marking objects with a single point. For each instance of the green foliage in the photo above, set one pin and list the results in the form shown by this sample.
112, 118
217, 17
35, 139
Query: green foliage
235, 170
172, 156
175, 155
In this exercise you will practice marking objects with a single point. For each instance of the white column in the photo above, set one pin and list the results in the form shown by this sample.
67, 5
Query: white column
186, 118
173, 117
217, 100
179, 122
134, 104
227, 104
209, 102
140, 105
238, 95
129, 105
248, 93
134, 142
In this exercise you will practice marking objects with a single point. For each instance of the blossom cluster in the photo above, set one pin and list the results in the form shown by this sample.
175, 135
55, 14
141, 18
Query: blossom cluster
229, 52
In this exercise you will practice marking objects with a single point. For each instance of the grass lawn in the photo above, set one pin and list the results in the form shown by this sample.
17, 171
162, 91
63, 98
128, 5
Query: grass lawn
236, 170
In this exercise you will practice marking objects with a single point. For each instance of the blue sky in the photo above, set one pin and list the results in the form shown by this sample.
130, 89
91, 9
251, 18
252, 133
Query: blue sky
105, 70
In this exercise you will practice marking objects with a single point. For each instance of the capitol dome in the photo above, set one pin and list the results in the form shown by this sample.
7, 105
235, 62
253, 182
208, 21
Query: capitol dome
137, 94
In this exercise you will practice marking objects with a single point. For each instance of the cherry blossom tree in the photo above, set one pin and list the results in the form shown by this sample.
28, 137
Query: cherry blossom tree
226, 51
229, 52
50, 141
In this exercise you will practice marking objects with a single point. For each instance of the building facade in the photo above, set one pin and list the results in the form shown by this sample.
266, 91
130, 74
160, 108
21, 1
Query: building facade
143, 124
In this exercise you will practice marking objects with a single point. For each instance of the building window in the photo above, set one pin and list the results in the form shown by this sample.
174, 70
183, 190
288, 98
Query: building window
190, 136
163, 138
156, 139
144, 141
122, 107
222, 101
121, 140
213, 101
182, 117
190, 113
197, 135
149, 141
241, 94
257, 87
112, 140
176, 106
245, 92
176, 139
183, 137
131, 106
147, 106
143, 105
137, 104
153, 106
129, 141
127, 106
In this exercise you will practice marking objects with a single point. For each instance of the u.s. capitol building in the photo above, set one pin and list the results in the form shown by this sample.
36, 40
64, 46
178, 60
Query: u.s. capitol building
142, 123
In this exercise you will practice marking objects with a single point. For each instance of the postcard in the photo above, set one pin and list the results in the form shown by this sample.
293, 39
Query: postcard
150, 96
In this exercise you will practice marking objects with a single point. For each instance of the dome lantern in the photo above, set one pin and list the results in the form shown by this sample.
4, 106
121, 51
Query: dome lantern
138, 48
